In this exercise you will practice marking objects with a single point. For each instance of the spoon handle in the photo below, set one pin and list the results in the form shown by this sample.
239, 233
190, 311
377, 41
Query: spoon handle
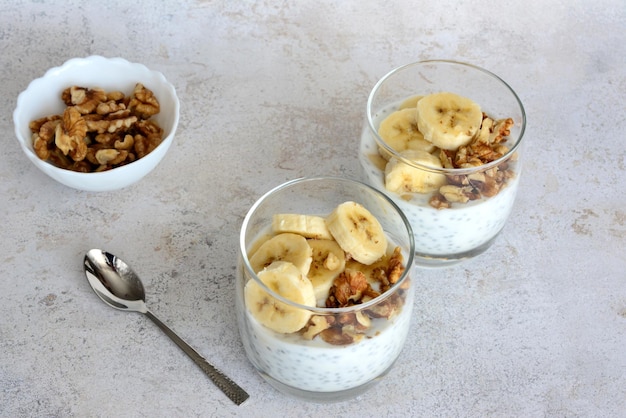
226, 385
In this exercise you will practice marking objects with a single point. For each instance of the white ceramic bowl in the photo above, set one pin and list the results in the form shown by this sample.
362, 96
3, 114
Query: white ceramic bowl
43, 98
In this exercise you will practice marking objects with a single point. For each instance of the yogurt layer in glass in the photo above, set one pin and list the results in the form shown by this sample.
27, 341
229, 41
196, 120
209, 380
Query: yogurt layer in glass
322, 371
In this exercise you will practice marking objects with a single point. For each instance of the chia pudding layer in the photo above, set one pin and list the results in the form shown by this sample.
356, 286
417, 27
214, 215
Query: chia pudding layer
316, 366
442, 233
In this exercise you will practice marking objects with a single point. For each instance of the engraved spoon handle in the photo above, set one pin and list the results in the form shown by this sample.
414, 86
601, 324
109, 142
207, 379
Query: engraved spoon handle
223, 382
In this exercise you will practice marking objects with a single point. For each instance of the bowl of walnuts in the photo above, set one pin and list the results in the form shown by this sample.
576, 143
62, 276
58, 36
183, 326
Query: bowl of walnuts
96, 123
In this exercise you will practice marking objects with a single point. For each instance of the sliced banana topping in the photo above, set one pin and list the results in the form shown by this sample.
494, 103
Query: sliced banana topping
448, 120
399, 131
357, 232
307, 271
283, 247
401, 177
329, 260
286, 280
430, 131
309, 226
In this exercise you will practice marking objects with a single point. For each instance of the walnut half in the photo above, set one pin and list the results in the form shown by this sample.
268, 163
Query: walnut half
143, 103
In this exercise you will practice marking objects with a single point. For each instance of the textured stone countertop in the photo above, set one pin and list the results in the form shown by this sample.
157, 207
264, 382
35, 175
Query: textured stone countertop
272, 91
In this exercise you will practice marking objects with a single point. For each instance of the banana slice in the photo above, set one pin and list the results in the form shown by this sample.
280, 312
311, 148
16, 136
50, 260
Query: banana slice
309, 226
401, 177
288, 281
399, 131
357, 232
448, 120
283, 247
329, 260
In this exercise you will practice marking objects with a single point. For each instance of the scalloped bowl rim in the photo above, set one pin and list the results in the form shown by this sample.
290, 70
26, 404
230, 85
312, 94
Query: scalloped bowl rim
100, 74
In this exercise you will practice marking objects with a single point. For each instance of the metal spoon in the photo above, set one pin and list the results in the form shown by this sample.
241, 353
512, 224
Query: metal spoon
119, 287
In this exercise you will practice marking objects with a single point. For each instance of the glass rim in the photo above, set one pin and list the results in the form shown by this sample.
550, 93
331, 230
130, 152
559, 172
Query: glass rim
448, 171
315, 309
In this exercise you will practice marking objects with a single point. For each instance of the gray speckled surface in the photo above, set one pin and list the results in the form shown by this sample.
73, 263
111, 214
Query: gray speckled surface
271, 91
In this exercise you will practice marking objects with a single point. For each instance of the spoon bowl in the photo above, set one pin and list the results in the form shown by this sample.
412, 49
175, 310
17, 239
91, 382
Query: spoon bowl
119, 287
115, 282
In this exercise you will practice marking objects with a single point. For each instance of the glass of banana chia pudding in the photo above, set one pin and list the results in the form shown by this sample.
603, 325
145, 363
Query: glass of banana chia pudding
443, 140
323, 289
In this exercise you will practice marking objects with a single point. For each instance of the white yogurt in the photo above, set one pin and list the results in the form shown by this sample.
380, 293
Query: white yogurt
450, 232
316, 366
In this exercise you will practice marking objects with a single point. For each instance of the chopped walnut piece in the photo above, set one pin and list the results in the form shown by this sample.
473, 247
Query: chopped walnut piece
83, 99
363, 322
91, 156
47, 130
125, 143
385, 309
63, 141
149, 129
369, 294
501, 149
336, 336
453, 193
112, 125
446, 157
106, 139
396, 266
111, 106
116, 96
352, 331
317, 324
345, 318
379, 274
475, 177
80, 166
70, 133
501, 130
437, 201
80, 151
40, 145
73, 123
37, 124
490, 187
143, 103
349, 286
142, 145
103, 156
485, 130
148, 138
59, 159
